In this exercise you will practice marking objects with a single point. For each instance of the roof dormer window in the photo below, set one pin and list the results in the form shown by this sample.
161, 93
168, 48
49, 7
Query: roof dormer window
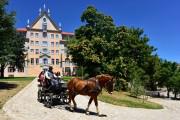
44, 20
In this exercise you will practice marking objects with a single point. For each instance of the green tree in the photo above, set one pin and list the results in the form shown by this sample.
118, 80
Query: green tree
152, 67
128, 47
11, 43
100, 46
167, 71
175, 81
90, 48
137, 83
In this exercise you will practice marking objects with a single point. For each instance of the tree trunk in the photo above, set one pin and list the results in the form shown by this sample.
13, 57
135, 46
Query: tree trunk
175, 95
153, 87
2, 70
168, 94
168, 91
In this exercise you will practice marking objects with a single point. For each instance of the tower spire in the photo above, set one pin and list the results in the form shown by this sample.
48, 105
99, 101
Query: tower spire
49, 12
40, 11
60, 26
45, 2
44, 6
28, 23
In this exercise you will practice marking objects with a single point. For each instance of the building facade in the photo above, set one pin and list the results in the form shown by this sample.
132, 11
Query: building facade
46, 46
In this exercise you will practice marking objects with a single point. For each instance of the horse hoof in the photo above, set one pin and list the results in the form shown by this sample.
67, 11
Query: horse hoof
87, 113
75, 108
71, 109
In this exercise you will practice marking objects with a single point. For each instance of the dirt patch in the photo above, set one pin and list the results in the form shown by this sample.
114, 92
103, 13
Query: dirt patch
9, 89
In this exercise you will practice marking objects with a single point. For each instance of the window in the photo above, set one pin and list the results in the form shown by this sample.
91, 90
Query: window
67, 62
62, 48
52, 61
21, 70
37, 61
37, 43
44, 34
67, 71
32, 42
11, 69
57, 44
37, 51
65, 37
52, 44
44, 27
57, 61
44, 19
45, 50
45, 61
52, 51
57, 36
44, 43
52, 36
37, 35
57, 51
71, 37
31, 34
32, 50
32, 61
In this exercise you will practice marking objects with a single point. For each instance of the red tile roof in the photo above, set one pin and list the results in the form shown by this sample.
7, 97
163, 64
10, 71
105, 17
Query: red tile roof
25, 30
21, 29
67, 33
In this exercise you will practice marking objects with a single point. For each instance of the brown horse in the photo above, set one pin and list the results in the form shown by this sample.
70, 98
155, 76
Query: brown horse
91, 87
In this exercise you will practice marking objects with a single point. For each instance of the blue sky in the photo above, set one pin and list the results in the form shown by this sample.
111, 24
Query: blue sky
160, 19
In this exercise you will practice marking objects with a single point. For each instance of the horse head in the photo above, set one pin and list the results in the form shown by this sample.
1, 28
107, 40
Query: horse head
106, 81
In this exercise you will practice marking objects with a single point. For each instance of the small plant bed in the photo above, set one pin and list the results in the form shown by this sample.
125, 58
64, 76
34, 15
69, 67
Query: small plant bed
124, 99
11, 86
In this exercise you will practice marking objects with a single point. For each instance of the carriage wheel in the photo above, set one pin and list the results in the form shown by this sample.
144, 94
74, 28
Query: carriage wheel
39, 96
49, 100
65, 97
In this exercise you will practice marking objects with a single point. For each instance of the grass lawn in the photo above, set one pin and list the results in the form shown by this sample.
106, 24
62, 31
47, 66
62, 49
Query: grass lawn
10, 86
67, 78
123, 99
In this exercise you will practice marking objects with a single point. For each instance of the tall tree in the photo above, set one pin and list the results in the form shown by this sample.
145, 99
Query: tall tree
100, 46
11, 44
167, 74
90, 47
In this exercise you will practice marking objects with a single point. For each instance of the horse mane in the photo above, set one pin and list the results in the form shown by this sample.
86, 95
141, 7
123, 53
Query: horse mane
101, 75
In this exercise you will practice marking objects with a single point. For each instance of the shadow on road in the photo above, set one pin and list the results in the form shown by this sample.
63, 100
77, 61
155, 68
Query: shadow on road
7, 86
80, 110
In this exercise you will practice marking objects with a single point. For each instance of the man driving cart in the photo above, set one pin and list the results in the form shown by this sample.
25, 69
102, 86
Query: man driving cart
52, 78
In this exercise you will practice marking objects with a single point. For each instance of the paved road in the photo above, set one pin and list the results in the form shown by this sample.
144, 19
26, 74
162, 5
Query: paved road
24, 106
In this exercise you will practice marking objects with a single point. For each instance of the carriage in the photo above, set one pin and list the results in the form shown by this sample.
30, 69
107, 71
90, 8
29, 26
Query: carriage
66, 92
50, 95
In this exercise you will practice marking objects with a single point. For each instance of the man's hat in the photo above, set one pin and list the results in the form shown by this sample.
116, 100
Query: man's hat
50, 67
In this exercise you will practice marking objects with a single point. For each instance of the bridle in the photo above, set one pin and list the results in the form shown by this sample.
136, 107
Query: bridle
106, 84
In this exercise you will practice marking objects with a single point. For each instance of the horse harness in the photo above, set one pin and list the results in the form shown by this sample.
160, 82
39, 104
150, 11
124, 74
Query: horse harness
97, 88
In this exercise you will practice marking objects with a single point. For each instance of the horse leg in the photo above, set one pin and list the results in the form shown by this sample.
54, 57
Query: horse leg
75, 105
87, 109
96, 104
70, 98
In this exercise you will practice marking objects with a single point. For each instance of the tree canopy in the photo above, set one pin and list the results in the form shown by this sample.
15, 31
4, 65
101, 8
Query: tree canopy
11, 43
101, 46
